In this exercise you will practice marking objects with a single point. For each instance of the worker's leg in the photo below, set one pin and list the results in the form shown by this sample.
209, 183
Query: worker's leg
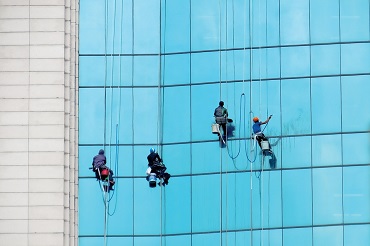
259, 139
224, 129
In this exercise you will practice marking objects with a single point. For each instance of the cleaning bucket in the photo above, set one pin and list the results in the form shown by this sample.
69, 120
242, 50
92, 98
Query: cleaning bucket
265, 145
152, 180
215, 129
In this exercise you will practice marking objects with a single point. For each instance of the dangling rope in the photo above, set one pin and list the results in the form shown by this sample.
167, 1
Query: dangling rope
116, 169
159, 123
241, 96
220, 77
250, 99
106, 185
105, 108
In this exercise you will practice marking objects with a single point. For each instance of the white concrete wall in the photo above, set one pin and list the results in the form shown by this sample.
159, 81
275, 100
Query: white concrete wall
38, 122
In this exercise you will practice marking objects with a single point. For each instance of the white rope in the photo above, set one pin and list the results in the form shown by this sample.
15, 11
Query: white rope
250, 92
159, 140
262, 200
105, 108
111, 85
220, 75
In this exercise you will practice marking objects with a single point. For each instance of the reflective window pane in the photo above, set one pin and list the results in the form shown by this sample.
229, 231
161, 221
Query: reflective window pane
205, 24
356, 190
92, 32
356, 149
355, 58
294, 21
235, 65
171, 158
205, 67
205, 203
296, 116
301, 235
202, 110
328, 235
204, 157
203, 239
145, 118
324, 21
92, 200
146, 70
175, 26
176, 111
327, 150
273, 23
266, 191
146, 19
297, 197
325, 59
265, 98
143, 195
357, 235
91, 108
178, 240
177, 195
326, 110
354, 20
296, 152
327, 199
295, 61
355, 90
176, 69
97, 241
101, 71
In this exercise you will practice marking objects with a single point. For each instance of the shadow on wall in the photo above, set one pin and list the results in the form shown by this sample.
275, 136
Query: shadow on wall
230, 128
272, 160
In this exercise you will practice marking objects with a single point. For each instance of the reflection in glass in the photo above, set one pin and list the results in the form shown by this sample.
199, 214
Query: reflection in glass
327, 198
326, 110
328, 235
327, 150
295, 103
356, 190
301, 235
297, 197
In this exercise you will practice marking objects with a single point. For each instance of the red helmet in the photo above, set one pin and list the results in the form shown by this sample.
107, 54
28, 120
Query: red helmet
255, 119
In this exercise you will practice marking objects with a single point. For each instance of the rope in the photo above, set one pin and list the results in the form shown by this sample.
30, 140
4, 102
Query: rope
116, 169
250, 99
220, 74
261, 198
239, 141
159, 126
105, 106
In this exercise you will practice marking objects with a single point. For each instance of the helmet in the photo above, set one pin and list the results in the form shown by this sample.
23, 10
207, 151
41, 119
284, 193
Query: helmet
255, 119
152, 150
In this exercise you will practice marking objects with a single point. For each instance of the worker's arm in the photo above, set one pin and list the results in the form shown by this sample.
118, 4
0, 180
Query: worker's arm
266, 121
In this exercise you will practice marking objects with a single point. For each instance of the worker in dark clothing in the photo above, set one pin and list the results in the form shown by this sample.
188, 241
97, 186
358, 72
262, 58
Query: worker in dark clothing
155, 166
257, 129
221, 115
99, 164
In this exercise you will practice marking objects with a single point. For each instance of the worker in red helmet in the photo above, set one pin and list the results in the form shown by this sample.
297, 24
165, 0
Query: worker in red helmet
257, 129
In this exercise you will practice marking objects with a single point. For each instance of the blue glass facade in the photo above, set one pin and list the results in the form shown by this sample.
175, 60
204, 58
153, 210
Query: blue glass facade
151, 74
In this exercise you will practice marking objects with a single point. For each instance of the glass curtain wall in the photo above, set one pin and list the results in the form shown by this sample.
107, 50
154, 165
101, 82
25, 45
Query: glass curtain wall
151, 75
